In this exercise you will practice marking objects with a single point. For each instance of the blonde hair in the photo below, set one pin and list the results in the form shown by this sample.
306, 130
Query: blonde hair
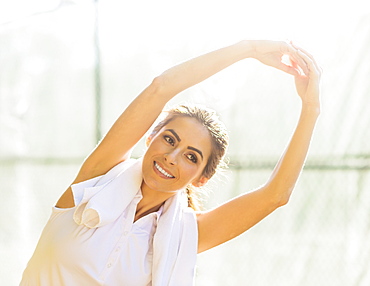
219, 138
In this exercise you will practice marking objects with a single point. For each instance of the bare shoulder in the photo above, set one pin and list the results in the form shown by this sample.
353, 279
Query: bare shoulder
86, 172
66, 200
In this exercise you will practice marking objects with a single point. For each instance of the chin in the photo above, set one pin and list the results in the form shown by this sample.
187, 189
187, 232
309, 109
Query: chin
159, 187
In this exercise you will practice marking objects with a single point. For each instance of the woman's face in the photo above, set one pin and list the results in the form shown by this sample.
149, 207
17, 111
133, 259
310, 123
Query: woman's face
176, 156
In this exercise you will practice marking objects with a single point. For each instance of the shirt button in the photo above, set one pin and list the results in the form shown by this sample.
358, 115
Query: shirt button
109, 265
118, 249
125, 233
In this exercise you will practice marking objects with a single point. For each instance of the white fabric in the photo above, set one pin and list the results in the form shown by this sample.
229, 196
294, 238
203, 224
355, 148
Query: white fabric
96, 243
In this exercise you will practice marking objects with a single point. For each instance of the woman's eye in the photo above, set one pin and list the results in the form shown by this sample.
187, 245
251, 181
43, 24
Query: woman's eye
169, 140
192, 158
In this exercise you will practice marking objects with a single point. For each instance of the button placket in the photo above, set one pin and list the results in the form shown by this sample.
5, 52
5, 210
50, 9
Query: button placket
124, 235
116, 251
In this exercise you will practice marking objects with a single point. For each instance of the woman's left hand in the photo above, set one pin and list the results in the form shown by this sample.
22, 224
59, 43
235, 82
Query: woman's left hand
308, 83
272, 53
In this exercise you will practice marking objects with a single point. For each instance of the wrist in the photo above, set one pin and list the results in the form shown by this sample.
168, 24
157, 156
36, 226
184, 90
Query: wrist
311, 108
247, 48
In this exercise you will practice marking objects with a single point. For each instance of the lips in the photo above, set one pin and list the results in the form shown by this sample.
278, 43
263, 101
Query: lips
162, 171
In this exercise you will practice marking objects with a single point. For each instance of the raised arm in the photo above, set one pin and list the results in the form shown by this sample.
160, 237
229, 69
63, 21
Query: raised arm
241, 213
134, 122
144, 110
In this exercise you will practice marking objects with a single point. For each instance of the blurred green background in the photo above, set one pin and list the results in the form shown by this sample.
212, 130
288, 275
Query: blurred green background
69, 68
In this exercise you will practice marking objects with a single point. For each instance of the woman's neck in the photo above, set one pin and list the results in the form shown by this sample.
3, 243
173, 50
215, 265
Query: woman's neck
151, 202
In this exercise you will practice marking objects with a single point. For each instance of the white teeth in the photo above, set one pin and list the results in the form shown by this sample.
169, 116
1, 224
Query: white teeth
163, 171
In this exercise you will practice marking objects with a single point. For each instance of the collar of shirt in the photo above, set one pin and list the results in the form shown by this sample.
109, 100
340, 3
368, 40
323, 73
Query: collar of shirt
146, 221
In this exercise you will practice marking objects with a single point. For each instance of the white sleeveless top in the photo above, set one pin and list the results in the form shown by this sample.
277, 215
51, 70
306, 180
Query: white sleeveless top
97, 243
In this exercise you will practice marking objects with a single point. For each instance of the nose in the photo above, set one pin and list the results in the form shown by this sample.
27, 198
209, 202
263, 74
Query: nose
172, 157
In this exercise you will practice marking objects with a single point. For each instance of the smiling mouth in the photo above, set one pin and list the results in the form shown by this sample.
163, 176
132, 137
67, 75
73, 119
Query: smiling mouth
163, 172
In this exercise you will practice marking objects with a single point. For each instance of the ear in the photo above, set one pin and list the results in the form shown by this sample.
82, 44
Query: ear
148, 140
201, 182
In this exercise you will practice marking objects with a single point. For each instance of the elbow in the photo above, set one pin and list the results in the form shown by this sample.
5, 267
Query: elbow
280, 194
160, 86
157, 92
167, 85
157, 82
284, 197
283, 201
156, 85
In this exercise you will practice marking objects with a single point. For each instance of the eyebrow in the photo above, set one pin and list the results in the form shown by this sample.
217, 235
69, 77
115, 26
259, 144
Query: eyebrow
174, 134
189, 147
196, 150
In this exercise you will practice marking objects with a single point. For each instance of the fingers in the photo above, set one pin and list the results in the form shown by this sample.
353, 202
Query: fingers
297, 62
303, 50
287, 57
308, 59
288, 66
313, 69
290, 69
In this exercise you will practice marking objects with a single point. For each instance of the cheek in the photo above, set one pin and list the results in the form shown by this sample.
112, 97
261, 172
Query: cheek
191, 171
157, 146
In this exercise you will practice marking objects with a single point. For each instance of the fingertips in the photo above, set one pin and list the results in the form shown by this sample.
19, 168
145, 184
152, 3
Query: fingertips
292, 70
292, 62
289, 65
300, 60
297, 61
299, 48
309, 55
299, 64
311, 65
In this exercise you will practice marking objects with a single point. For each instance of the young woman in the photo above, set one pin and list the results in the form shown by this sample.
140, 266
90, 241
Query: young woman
128, 222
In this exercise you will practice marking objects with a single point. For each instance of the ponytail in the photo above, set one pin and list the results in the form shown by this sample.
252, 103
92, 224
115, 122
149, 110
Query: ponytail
193, 198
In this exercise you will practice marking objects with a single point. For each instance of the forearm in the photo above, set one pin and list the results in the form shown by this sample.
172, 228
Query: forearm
194, 71
289, 167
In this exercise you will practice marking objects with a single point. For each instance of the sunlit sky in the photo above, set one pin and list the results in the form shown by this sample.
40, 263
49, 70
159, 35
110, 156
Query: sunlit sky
202, 25
169, 22
310, 22
289, 15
